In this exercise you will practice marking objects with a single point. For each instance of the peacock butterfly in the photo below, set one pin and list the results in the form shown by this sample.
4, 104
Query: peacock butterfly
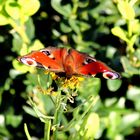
68, 61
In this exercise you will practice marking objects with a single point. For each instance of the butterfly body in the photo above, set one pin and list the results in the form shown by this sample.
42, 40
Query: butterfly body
68, 61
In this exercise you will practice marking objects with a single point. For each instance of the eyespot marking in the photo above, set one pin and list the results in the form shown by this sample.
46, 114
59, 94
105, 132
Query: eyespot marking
69, 51
89, 60
111, 75
28, 61
46, 52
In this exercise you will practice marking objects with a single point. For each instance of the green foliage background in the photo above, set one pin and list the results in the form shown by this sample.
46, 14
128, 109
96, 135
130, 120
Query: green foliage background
104, 109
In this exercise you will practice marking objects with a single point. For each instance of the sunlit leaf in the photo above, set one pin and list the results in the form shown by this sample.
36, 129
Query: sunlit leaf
37, 45
13, 9
29, 7
90, 129
119, 32
21, 67
4, 19
126, 10
134, 25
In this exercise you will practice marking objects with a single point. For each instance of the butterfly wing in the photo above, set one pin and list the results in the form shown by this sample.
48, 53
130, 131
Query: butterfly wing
87, 65
94, 68
68, 61
49, 58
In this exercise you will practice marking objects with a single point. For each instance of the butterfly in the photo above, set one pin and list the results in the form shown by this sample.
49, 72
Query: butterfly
68, 61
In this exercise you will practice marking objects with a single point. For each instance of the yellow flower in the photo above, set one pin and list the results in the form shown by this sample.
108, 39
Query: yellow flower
53, 75
67, 85
73, 82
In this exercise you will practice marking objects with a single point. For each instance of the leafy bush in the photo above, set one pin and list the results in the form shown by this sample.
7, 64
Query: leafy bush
35, 104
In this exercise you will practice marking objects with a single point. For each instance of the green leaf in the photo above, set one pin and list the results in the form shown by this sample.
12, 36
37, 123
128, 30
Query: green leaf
114, 120
64, 10
74, 25
126, 10
45, 80
1, 92
30, 111
134, 26
128, 122
90, 86
37, 45
4, 132
128, 67
84, 26
7, 84
29, 7
65, 28
32, 79
13, 9
1, 4
119, 32
21, 67
17, 43
114, 85
13, 120
30, 29
133, 93
4, 19
110, 52
133, 39
91, 130
137, 54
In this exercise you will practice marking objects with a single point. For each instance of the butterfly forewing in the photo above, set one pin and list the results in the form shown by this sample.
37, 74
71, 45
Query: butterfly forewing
47, 61
97, 67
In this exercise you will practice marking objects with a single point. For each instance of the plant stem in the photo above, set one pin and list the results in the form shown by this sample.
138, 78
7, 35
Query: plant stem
27, 132
47, 129
75, 6
129, 26
56, 114
130, 48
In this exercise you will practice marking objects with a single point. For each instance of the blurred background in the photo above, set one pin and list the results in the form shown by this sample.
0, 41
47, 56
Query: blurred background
108, 30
